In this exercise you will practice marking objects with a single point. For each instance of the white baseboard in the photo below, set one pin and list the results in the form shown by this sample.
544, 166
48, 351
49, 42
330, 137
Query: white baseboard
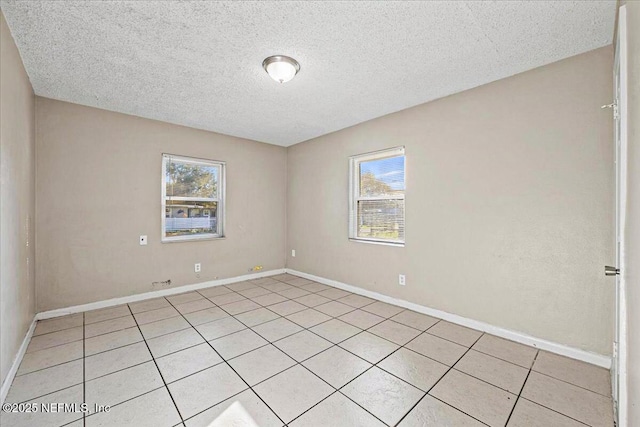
563, 350
154, 294
574, 353
6, 384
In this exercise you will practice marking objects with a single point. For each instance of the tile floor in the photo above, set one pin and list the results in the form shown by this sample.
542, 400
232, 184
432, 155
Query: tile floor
285, 350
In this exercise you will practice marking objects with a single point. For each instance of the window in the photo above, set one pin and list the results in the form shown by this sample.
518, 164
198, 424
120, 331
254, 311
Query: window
377, 197
192, 198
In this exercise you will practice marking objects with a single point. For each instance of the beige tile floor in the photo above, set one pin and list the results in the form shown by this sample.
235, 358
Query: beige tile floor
288, 351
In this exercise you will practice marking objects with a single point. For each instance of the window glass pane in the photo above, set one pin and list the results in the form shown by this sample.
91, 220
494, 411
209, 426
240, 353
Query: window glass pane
190, 218
381, 219
382, 177
191, 180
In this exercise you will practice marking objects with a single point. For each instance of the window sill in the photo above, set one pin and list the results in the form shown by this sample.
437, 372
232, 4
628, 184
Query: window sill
192, 239
377, 242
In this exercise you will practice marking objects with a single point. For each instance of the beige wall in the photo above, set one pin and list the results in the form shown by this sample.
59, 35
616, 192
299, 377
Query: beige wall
98, 190
17, 203
632, 232
509, 204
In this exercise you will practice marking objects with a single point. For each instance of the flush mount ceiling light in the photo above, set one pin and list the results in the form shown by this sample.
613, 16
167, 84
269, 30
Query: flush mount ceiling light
281, 68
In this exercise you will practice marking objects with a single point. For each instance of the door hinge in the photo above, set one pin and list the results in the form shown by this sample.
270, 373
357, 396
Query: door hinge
611, 271
614, 107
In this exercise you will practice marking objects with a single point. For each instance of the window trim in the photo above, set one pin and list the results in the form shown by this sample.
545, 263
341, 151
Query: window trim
354, 193
221, 199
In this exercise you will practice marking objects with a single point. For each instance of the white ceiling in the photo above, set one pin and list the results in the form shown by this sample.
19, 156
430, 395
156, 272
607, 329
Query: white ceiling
198, 63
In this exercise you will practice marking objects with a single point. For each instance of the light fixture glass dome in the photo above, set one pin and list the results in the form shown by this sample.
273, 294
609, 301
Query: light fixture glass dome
281, 68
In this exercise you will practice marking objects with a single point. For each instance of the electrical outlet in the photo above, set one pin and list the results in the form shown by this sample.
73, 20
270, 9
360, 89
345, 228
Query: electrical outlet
197, 267
143, 240
402, 280
293, 253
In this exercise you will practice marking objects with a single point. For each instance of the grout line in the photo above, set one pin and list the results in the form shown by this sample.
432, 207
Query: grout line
525, 382
125, 401
557, 412
114, 330
487, 382
230, 397
53, 332
287, 299
363, 373
336, 390
144, 339
505, 360
115, 348
453, 407
196, 372
337, 345
120, 370
158, 320
108, 318
343, 395
440, 379
178, 351
52, 366
83, 336
571, 384
171, 305
234, 371
133, 313
222, 336
162, 335
157, 368
278, 349
296, 362
74, 421
248, 351
29, 399
518, 397
52, 346
316, 404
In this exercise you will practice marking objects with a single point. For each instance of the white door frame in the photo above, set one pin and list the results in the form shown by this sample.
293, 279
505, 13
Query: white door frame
619, 360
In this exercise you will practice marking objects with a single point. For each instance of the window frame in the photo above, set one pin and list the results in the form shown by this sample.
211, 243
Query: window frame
220, 199
355, 197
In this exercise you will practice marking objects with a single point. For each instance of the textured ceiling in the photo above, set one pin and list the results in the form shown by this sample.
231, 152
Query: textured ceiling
198, 63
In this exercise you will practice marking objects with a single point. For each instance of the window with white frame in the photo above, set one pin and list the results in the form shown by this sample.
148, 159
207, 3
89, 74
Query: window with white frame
192, 198
377, 197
